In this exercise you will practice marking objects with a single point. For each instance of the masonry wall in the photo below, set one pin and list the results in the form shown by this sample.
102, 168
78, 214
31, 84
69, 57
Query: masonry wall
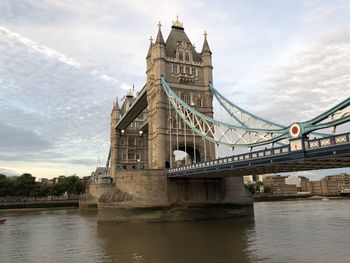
208, 191
96, 190
195, 191
146, 187
235, 192
151, 187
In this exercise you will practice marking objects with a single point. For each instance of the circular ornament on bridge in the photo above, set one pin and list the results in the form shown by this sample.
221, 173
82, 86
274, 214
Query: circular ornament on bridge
295, 130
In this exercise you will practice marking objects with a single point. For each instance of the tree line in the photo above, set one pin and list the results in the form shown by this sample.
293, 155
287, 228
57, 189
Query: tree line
25, 186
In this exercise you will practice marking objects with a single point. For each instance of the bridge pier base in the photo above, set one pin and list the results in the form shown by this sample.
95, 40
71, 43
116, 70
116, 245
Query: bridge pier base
148, 195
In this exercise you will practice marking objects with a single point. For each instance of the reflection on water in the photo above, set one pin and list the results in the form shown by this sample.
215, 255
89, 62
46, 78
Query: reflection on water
299, 231
199, 241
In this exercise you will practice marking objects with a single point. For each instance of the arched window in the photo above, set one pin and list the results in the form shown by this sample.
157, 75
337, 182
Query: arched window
187, 56
181, 55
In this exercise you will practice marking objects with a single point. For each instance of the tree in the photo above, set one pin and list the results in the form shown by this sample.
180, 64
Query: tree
57, 189
44, 190
3, 186
35, 191
73, 185
24, 184
267, 189
254, 187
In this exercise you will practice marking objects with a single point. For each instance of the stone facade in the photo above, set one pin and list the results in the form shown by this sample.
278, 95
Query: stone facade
189, 74
329, 185
278, 186
141, 152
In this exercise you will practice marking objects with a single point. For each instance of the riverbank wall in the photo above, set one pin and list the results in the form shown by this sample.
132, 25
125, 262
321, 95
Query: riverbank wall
149, 195
39, 204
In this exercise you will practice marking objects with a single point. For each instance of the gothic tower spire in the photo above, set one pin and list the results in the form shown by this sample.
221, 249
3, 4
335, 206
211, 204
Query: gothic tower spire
206, 48
160, 39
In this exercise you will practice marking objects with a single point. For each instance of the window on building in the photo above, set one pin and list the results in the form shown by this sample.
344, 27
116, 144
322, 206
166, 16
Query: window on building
199, 102
124, 156
131, 155
187, 70
186, 98
174, 68
138, 156
122, 142
131, 142
194, 71
187, 56
174, 123
181, 55
140, 142
181, 69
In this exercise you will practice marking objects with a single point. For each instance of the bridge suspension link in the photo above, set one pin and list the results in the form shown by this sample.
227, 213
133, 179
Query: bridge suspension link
331, 118
220, 132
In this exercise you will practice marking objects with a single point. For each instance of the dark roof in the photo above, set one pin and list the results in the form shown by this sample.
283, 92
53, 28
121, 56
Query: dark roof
177, 34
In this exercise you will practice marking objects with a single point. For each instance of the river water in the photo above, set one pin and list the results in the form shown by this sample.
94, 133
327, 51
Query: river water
293, 231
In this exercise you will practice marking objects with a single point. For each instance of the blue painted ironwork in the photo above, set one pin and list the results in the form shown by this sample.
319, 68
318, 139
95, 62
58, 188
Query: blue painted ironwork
333, 117
330, 152
245, 118
248, 119
220, 132
246, 134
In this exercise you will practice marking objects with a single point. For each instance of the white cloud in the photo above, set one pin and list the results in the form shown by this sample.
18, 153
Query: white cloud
311, 81
318, 13
62, 89
51, 109
56, 55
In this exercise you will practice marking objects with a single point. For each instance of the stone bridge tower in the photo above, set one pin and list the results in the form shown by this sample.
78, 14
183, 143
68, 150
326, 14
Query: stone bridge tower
145, 133
189, 74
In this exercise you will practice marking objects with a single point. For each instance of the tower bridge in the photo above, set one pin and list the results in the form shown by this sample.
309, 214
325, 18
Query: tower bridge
174, 112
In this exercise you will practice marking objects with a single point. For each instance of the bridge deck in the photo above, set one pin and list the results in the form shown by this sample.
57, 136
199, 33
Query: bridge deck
324, 153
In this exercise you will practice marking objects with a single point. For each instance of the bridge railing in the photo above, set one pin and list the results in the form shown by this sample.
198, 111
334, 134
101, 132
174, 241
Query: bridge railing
236, 158
309, 144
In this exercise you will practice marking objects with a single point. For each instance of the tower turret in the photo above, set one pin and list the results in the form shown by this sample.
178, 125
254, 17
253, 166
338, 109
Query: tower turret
115, 116
207, 63
158, 55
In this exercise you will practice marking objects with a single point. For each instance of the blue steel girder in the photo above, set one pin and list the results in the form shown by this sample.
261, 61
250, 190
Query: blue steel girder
245, 118
219, 132
333, 117
245, 134
322, 153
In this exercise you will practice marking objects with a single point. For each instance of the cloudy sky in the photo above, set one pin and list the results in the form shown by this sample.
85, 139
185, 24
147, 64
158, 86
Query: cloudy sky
63, 63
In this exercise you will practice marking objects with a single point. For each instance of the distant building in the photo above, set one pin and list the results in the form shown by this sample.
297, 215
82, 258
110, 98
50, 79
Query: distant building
248, 179
328, 185
271, 180
44, 181
100, 176
316, 188
305, 184
278, 186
